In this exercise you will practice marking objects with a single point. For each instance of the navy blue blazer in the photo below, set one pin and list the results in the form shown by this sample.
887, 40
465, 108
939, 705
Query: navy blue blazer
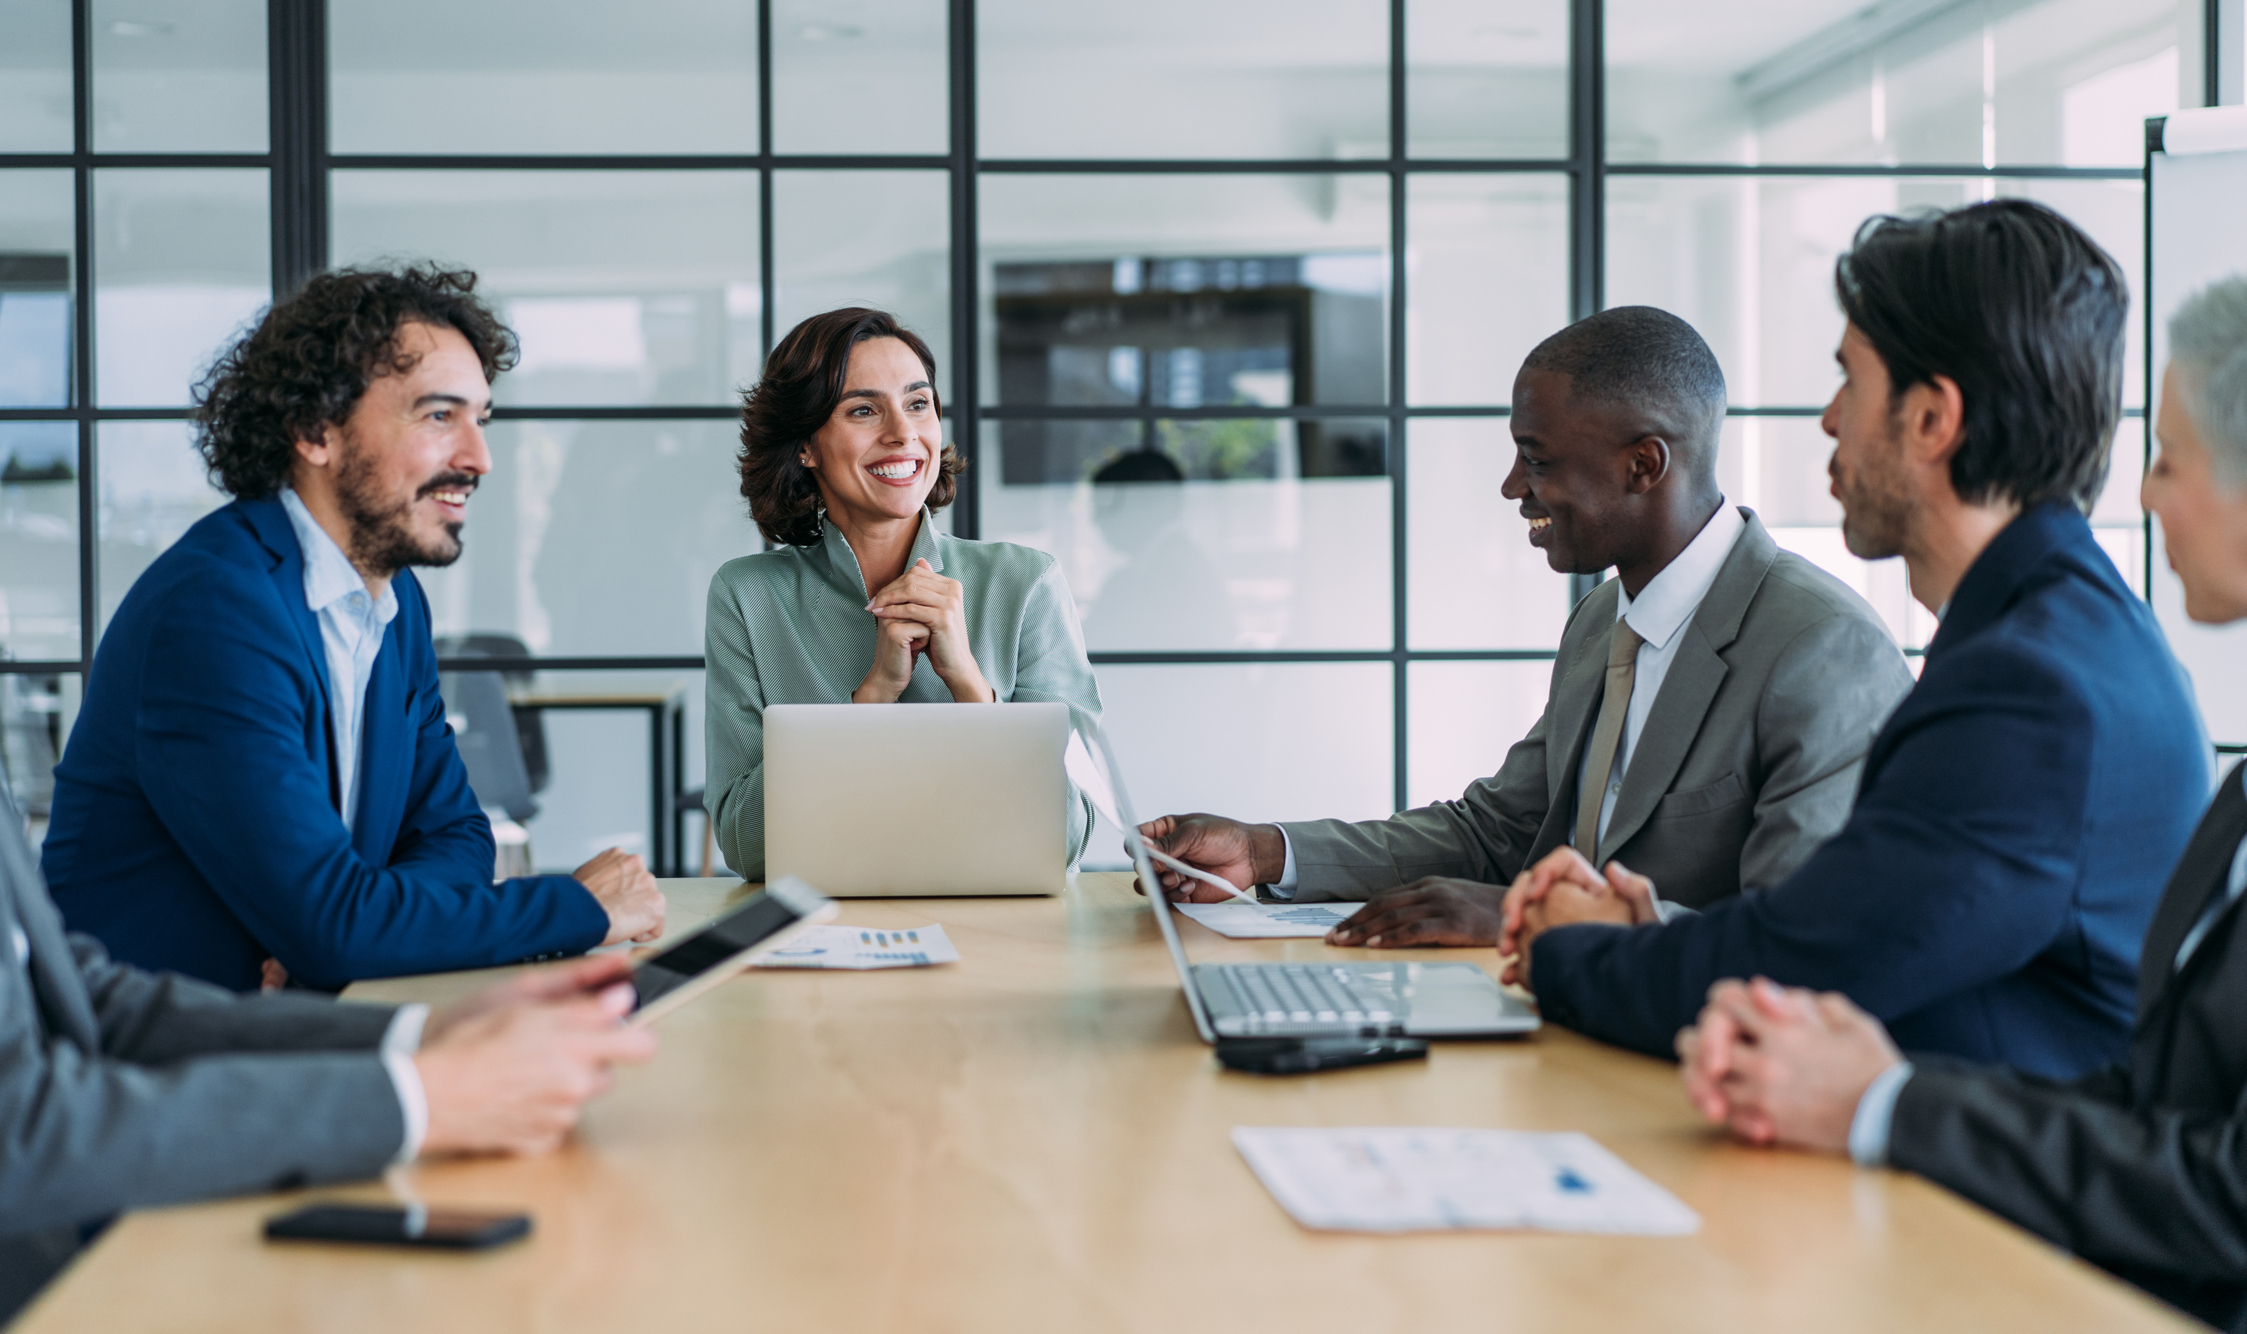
195, 822
2017, 817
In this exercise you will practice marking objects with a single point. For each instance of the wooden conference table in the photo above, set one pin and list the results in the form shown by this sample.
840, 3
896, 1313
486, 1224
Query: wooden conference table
1033, 1139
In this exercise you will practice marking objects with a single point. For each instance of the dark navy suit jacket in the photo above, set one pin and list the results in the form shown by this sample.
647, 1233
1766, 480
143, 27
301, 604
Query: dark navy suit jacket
196, 823
2016, 820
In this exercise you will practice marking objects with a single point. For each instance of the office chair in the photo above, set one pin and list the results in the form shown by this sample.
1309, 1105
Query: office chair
530, 724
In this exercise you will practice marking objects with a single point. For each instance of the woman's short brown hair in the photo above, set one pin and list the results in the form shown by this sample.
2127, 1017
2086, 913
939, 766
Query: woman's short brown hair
804, 379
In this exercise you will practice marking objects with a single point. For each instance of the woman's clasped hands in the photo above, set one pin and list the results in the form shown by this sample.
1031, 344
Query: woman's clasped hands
922, 612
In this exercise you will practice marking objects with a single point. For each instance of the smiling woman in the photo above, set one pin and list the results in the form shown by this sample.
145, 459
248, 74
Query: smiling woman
843, 462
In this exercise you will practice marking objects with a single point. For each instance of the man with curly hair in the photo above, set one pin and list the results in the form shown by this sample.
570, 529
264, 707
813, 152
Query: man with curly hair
261, 783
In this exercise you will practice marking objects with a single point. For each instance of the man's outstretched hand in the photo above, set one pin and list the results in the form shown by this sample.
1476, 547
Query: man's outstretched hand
507, 1070
1245, 855
1430, 911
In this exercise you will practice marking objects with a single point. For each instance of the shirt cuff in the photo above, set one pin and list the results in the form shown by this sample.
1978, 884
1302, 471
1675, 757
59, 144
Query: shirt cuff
1876, 1110
1284, 888
399, 1043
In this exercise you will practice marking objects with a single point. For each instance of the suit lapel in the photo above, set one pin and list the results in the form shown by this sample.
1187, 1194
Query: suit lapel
1688, 687
2200, 875
271, 524
384, 732
1691, 684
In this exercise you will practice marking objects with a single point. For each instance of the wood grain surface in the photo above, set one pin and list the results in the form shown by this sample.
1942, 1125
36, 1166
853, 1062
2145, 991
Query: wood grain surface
1034, 1139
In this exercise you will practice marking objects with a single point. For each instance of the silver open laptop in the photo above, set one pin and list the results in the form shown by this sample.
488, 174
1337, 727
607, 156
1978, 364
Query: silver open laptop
921, 800
1304, 1000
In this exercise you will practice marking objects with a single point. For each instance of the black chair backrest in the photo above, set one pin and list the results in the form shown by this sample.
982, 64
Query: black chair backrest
530, 724
484, 728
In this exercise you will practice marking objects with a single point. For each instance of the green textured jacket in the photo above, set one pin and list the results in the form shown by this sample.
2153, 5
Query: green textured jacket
791, 627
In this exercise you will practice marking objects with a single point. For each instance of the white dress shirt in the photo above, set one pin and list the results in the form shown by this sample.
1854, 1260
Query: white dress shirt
352, 625
1659, 614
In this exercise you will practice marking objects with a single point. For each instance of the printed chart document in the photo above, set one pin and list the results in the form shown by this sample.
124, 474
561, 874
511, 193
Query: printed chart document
864, 947
1266, 921
1427, 1178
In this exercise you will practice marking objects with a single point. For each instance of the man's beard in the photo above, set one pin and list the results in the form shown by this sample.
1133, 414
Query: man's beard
382, 537
1876, 511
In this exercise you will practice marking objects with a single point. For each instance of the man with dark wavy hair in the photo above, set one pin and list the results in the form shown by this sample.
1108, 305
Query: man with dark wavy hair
261, 783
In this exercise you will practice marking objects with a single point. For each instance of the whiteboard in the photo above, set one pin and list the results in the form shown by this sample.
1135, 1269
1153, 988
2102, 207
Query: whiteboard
2197, 203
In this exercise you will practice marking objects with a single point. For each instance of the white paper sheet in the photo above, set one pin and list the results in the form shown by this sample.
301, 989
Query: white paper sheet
1268, 921
1415, 1179
864, 947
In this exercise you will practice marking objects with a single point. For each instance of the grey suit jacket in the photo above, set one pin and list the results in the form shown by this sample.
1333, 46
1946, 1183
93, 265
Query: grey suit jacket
1746, 763
120, 1088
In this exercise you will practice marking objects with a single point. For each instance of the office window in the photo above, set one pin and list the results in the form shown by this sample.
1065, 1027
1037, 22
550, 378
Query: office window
179, 79
570, 77
894, 50
1215, 328
35, 91
863, 238
182, 264
2053, 83
153, 488
39, 539
1275, 79
1486, 79
37, 268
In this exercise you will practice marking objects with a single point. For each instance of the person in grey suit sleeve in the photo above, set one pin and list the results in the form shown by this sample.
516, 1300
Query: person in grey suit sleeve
121, 1088
2140, 1168
1719, 740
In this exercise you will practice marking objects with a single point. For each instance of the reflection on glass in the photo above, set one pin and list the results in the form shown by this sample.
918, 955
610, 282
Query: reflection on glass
596, 537
182, 265
2058, 82
1186, 291
1262, 741
571, 76
1465, 716
1486, 78
1750, 261
865, 238
38, 540
1160, 558
153, 489
624, 286
1475, 582
35, 114
1180, 79
898, 47
1470, 321
179, 78
37, 234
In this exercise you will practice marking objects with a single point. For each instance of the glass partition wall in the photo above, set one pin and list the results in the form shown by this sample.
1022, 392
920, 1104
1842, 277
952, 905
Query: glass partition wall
1228, 300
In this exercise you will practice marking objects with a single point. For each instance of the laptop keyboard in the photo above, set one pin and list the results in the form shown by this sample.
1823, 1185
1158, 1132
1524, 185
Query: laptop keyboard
1288, 995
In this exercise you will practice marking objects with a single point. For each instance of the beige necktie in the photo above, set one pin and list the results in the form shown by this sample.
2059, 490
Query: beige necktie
1607, 737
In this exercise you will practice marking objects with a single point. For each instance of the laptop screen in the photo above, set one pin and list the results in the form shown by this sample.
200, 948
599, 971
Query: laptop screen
1125, 817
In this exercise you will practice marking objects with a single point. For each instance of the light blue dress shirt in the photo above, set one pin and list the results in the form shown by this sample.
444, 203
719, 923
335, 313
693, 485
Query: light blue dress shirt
1876, 1110
352, 624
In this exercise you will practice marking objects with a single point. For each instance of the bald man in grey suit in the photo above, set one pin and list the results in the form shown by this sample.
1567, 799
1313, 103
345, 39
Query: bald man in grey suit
121, 1089
1709, 708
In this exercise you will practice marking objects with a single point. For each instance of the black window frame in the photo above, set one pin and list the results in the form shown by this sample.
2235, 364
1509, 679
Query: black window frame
299, 165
